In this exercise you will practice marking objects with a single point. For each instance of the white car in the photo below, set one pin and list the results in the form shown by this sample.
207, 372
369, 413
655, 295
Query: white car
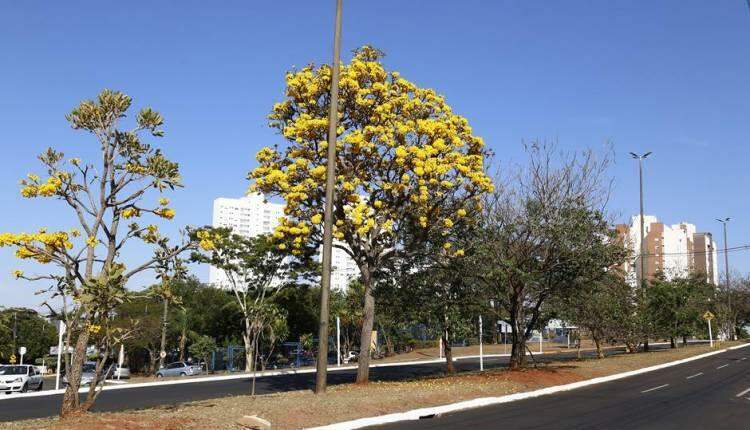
20, 378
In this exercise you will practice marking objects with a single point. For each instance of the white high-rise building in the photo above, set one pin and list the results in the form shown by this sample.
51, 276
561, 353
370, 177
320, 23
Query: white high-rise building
252, 215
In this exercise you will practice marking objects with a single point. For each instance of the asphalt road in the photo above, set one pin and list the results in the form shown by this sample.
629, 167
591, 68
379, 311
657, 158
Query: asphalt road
12, 409
711, 393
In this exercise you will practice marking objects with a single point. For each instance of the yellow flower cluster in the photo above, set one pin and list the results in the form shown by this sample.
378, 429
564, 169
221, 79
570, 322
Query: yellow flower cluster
400, 150
92, 241
151, 234
291, 234
130, 213
39, 246
166, 213
94, 329
206, 240
34, 187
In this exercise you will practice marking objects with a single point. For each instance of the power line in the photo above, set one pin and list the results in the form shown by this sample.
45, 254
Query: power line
718, 251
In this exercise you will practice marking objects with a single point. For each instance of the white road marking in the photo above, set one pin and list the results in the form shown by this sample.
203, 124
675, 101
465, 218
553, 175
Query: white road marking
743, 393
655, 388
743, 358
721, 367
693, 376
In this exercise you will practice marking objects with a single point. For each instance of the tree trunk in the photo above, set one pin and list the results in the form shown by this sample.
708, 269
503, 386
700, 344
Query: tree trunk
247, 338
162, 349
672, 343
71, 402
448, 350
518, 339
363, 367
597, 342
495, 331
183, 342
684, 340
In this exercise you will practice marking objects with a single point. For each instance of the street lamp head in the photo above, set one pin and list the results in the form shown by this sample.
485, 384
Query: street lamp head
640, 157
723, 221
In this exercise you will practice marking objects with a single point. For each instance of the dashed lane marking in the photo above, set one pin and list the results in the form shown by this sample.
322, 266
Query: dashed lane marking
693, 376
722, 366
655, 388
743, 393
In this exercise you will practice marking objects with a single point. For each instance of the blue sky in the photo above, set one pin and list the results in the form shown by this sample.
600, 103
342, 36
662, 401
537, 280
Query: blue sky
672, 77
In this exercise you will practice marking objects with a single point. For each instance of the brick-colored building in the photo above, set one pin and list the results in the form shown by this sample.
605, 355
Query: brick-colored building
674, 250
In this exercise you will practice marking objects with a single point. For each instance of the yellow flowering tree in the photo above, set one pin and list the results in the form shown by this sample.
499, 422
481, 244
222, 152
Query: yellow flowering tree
108, 197
403, 158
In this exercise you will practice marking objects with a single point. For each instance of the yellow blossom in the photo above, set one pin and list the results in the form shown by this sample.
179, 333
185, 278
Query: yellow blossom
130, 212
166, 213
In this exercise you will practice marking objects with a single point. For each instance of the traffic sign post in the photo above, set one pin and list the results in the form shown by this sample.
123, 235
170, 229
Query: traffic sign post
708, 316
12, 359
22, 352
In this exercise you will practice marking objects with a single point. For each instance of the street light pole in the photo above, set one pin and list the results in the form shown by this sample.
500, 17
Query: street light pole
642, 252
325, 279
724, 223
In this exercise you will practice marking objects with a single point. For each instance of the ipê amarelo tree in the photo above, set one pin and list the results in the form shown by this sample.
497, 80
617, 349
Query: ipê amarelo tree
107, 197
403, 156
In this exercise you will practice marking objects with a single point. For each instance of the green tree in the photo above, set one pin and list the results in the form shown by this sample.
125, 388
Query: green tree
255, 270
144, 311
106, 196
32, 331
602, 308
202, 347
675, 306
541, 233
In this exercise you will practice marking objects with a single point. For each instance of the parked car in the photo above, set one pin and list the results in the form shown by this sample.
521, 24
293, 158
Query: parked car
119, 372
179, 368
20, 378
87, 374
350, 357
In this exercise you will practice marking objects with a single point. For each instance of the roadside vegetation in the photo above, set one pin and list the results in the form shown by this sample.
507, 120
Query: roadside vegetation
440, 238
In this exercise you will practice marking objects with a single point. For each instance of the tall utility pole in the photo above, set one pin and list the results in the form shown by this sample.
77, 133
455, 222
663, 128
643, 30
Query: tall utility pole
642, 251
325, 279
724, 223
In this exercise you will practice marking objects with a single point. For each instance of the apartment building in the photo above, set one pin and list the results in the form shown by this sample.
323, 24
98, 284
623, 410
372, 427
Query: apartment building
253, 215
673, 250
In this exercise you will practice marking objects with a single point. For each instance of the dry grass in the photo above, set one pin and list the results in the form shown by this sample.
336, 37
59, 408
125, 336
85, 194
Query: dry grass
301, 409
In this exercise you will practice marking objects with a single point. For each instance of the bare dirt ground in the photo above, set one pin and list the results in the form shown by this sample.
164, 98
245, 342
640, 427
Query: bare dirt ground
300, 409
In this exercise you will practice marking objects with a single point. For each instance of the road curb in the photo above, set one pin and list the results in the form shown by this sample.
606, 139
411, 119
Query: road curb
416, 414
